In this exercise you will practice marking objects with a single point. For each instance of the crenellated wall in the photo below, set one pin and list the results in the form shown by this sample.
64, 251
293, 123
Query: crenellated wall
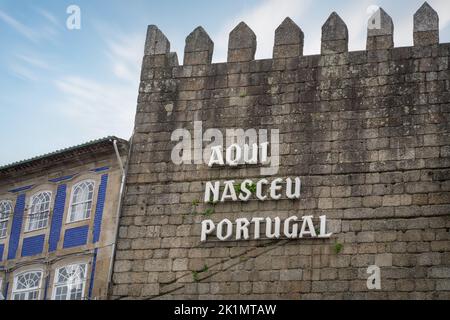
368, 132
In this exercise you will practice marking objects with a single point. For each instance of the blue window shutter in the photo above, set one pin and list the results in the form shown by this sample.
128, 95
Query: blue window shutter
16, 227
57, 219
99, 209
33, 246
76, 237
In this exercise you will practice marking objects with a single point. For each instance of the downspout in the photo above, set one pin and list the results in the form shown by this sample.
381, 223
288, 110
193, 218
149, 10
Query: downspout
118, 214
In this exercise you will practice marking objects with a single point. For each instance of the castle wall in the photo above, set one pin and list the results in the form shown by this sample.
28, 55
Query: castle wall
367, 132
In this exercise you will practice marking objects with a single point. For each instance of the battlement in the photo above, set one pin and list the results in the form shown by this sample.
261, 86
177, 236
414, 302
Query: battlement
289, 39
366, 132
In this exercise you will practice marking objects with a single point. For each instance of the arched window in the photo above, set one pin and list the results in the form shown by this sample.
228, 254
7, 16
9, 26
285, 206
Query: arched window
27, 285
5, 211
81, 201
70, 282
39, 211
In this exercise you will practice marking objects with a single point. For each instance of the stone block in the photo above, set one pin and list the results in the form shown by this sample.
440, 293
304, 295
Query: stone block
291, 275
383, 260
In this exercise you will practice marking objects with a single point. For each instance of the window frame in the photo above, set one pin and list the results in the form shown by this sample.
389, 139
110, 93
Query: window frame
27, 291
83, 282
29, 214
71, 203
9, 202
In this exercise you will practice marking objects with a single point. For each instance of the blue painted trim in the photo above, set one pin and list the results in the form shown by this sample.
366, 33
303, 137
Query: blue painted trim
21, 189
101, 169
16, 227
75, 237
2, 249
33, 246
91, 282
62, 178
57, 219
99, 208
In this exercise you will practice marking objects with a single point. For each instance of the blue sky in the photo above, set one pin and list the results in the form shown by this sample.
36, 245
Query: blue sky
62, 87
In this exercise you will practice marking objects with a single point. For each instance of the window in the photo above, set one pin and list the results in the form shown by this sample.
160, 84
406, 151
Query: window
27, 285
81, 202
5, 211
39, 211
70, 282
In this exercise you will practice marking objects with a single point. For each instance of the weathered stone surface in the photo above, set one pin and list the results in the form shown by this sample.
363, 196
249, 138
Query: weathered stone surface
380, 31
383, 260
199, 48
156, 42
426, 19
241, 44
288, 40
426, 26
366, 131
334, 35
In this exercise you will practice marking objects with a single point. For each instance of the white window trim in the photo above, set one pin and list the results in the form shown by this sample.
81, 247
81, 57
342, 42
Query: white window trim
27, 229
7, 217
69, 212
39, 288
84, 282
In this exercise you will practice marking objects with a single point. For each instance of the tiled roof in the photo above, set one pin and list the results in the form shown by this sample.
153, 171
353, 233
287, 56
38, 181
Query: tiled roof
61, 152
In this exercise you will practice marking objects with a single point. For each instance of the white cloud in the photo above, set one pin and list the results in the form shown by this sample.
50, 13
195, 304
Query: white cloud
28, 67
356, 19
33, 61
106, 106
48, 16
403, 30
99, 108
263, 20
22, 72
35, 34
19, 27
125, 53
266, 17
354, 16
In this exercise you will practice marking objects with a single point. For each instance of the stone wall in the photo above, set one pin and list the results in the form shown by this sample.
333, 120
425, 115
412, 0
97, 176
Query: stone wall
368, 133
